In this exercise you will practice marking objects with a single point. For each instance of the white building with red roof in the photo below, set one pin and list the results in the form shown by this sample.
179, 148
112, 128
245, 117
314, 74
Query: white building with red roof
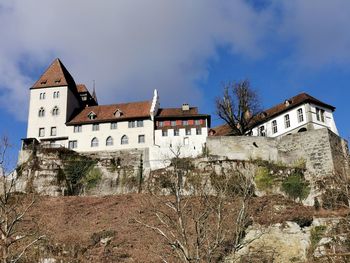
297, 114
65, 114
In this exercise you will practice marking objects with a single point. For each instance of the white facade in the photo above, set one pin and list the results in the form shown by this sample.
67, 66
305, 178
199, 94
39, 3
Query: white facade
184, 144
49, 111
297, 119
52, 121
137, 137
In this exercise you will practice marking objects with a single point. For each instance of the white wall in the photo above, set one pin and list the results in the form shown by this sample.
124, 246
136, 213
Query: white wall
282, 130
166, 147
35, 122
84, 137
328, 119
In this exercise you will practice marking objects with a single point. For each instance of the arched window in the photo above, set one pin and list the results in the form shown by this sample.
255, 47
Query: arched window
55, 111
94, 142
109, 141
41, 112
125, 139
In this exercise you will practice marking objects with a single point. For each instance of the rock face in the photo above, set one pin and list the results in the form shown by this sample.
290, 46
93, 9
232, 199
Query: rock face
53, 171
278, 243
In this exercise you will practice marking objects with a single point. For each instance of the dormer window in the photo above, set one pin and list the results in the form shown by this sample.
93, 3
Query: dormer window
43, 82
263, 114
118, 113
92, 115
57, 80
287, 102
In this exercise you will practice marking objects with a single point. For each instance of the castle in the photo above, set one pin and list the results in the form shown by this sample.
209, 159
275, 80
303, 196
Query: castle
65, 114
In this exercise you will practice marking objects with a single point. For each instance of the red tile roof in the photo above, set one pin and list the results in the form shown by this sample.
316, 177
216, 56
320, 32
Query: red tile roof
56, 75
178, 112
221, 130
105, 113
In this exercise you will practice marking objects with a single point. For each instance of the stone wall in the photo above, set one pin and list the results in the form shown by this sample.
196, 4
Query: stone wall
243, 147
324, 152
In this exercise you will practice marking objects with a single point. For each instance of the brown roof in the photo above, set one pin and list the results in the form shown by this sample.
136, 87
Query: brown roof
82, 88
105, 113
292, 103
56, 75
178, 112
221, 130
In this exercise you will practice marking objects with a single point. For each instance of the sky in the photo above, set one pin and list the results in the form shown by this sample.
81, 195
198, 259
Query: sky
184, 49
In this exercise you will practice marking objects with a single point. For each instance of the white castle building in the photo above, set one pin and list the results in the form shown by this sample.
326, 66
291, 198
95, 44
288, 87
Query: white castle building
297, 114
64, 114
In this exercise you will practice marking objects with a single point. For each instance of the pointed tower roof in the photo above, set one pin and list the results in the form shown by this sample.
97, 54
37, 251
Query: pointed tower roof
56, 75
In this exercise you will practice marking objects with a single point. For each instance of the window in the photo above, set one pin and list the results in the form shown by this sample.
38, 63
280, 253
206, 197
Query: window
286, 121
188, 131
139, 123
262, 131
72, 144
173, 123
94, 142
185, 123
198, 131
56, 94
164, 133
118, 113
55, 111
109, 141
95, 127
320, 114
186, 141
131, 124
114, 125
42, 96
41, 132
124, 139
197, 122
83, 97
53, 131
41, 112
176, 132
77, 128
274, 126
142, 138
300, 115
160, 123
92, 115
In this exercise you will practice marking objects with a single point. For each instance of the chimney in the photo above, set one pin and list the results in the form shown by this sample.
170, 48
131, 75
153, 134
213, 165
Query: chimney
185, 107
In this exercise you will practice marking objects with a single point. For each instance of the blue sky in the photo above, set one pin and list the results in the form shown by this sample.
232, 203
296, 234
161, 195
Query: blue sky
185, 49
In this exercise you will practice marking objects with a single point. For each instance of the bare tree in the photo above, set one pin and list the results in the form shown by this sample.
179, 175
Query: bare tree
16, 237
200, 222
239, 106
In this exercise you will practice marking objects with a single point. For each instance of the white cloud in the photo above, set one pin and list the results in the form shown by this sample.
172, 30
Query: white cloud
128, 47
131, 47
